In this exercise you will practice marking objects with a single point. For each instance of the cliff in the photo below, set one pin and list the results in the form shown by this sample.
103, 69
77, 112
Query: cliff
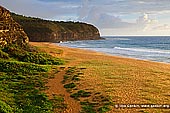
54, 31
10, 31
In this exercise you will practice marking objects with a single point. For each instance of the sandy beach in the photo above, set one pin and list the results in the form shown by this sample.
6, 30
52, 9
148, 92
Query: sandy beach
126, 81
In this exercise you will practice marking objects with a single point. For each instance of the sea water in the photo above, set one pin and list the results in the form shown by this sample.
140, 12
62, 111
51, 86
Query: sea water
153, 48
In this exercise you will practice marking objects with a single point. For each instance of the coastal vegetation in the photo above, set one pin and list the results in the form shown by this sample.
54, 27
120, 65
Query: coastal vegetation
24, 72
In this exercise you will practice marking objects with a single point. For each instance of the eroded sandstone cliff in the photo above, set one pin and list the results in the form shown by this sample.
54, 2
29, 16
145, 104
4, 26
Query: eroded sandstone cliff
10, 31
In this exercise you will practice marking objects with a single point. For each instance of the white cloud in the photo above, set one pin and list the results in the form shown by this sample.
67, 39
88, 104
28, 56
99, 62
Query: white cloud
162, 27
47, 10
145, 22
106, 14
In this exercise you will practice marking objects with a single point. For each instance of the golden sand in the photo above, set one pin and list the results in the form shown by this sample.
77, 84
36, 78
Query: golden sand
125, 80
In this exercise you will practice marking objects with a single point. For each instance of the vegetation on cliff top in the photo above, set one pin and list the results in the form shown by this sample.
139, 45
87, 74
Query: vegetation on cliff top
53, 31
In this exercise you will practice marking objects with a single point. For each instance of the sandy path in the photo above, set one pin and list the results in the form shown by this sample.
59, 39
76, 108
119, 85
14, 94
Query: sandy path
56, 88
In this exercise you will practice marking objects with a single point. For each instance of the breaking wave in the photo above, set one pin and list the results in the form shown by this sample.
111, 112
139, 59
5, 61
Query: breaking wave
144, 50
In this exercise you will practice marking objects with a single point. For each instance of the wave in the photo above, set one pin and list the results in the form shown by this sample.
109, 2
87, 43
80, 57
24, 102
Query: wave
144, 50
119, 38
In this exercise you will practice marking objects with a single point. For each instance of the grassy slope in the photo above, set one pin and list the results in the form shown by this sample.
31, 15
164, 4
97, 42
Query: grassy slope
126, 81
23, 74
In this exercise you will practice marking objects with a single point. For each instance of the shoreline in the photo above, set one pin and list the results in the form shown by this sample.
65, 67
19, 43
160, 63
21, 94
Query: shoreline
115, 46
107, 54
92, 52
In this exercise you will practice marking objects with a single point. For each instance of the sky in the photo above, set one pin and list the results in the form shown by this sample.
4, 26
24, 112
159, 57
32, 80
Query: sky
111, 17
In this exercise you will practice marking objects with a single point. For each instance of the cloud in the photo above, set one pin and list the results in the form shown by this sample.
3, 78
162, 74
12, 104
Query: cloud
47, 8
120, 15
103, 20
73, 1
36, 8
108, 15
83, 11
145, 22
162, 27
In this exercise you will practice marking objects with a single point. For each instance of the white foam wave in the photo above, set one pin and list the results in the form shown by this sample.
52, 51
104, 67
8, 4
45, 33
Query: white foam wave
121, 39
144, 50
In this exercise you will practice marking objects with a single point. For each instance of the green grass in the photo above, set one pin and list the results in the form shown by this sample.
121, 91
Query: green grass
25, 92
71, 70
58, 103
5, 108
87, 107
23, 75
80, 93
4, 55
104, 109
30, 54
91, 101
22, 67
70, 85
72, 75
75, 77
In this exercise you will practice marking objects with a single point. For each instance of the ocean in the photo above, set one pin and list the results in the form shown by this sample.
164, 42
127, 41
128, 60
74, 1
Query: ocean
153, 48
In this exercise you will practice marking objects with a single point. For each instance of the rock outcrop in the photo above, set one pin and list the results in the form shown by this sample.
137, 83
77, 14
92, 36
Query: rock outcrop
54, 31
10, 31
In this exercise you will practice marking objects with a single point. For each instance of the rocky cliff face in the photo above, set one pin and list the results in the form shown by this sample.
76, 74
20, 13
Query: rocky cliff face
10, 31
53, 31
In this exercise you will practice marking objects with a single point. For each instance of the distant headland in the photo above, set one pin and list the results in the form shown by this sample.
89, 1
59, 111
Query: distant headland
39, 30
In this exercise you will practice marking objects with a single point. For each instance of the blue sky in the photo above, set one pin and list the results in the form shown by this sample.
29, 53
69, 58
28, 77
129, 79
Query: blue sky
112, 17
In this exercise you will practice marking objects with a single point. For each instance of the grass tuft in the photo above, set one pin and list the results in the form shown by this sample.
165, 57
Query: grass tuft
70, 85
